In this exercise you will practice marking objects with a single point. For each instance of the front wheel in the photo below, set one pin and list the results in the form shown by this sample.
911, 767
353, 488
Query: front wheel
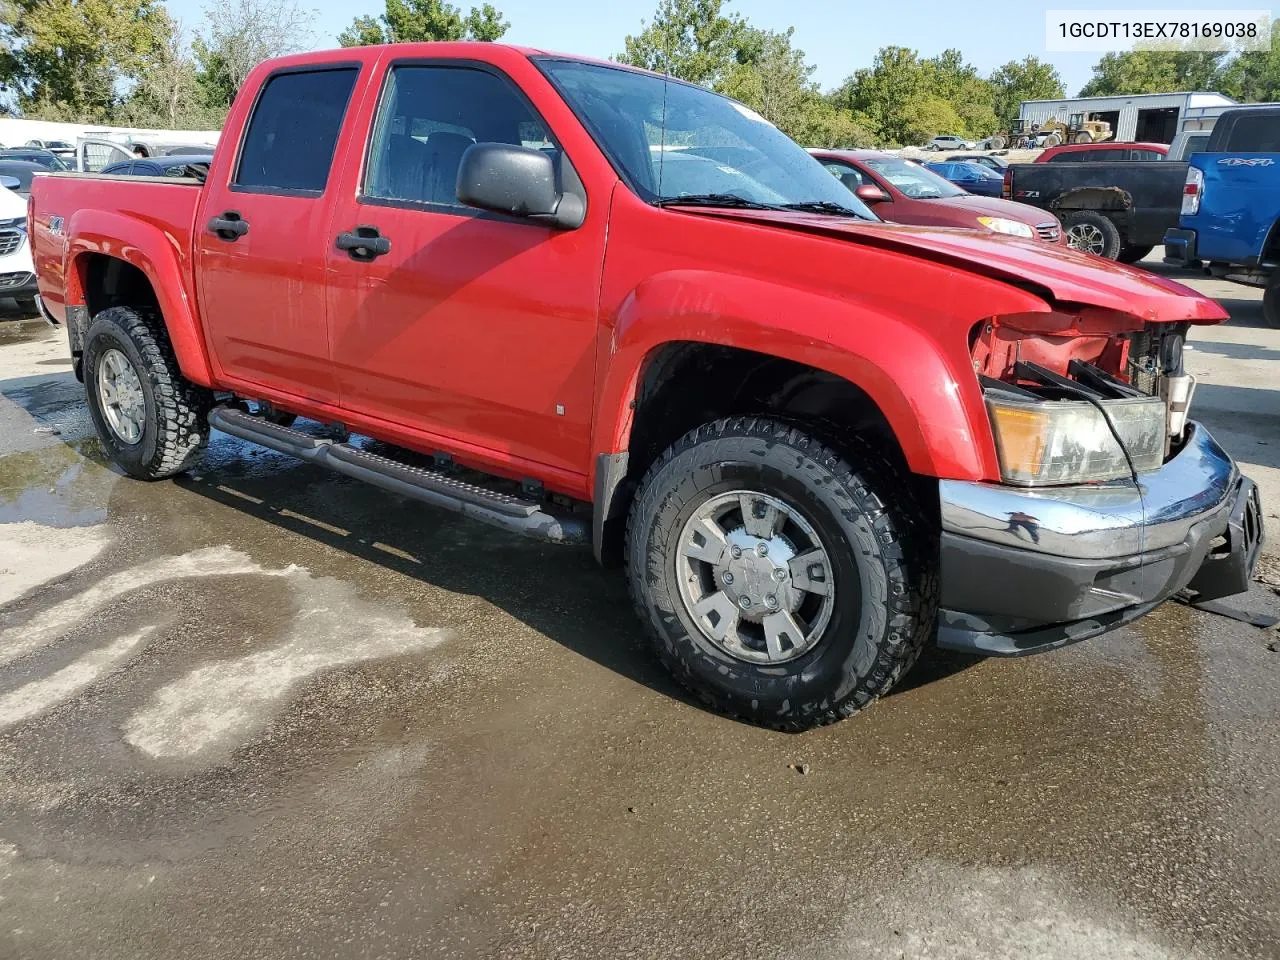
1091, 232
780, 581
152, 421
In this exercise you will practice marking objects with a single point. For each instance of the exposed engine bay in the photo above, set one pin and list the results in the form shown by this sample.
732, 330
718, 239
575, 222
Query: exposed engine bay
1074, 400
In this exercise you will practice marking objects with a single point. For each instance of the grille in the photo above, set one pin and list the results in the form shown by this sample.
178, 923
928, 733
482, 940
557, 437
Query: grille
16, 279
10, 240
1048, 231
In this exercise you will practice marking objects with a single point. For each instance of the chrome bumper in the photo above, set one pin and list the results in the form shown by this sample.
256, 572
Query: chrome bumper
1099, 522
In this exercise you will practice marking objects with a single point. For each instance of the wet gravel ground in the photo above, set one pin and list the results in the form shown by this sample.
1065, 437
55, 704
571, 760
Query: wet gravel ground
267, 712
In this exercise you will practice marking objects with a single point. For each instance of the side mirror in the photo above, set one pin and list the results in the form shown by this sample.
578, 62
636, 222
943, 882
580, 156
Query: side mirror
870, 193
517, 181
10, 183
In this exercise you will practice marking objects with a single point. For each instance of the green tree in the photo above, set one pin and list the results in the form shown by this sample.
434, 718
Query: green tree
1154, 71
901, 95
1027, 79
168, 93
485, 24
240, 34
694, 40
70, 59
1254, 75
416, 21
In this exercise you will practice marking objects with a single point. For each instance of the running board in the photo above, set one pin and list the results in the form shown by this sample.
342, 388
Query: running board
428, 486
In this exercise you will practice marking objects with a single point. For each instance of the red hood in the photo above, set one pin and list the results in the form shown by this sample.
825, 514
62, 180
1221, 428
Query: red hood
1064, 275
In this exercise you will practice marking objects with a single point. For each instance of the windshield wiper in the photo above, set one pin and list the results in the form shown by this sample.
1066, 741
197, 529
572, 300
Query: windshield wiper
715, 200
821, 206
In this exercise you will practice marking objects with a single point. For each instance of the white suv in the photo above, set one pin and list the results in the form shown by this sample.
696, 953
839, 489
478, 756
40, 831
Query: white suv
17, 272
947, 142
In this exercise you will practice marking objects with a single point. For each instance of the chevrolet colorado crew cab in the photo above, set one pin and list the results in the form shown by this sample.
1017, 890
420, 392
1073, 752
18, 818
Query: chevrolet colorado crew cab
817, 442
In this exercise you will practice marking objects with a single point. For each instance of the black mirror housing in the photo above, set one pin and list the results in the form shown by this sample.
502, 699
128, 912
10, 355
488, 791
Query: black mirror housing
518, 181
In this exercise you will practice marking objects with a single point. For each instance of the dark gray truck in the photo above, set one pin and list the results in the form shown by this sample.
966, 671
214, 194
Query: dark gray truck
1119, 210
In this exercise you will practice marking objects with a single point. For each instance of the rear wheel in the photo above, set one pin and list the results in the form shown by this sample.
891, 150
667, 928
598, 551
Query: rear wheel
1271, 299
1091, 232
780, 581
151, 420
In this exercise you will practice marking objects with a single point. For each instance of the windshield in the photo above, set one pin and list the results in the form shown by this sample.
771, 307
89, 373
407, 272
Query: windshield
911, 180
670, 140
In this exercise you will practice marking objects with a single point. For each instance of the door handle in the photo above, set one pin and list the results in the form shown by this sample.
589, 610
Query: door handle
363, 243
229, 226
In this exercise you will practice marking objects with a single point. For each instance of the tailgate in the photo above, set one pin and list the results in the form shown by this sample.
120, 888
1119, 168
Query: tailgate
1239, 204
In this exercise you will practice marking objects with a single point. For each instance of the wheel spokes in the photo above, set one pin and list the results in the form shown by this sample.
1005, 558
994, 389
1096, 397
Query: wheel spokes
811, 573
706, 541
719, 614
759, 516
780, 627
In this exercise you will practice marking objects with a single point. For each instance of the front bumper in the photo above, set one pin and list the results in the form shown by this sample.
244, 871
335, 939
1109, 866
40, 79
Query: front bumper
1180, 247
1023, 571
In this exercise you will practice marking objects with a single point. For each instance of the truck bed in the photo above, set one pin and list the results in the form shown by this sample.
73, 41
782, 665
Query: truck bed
1148, 191
93, 208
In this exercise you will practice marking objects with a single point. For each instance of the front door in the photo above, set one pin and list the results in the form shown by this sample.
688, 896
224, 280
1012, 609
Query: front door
262, 237
472, 329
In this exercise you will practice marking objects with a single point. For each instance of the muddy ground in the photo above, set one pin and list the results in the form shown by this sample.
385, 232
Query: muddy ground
266, 712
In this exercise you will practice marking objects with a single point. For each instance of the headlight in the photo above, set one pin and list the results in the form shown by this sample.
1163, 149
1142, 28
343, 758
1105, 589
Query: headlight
1005, 225
1068, 441
18, 223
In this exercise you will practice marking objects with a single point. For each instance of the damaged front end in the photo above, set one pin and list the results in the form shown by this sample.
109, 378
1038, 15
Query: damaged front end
1111, 500
1074, 400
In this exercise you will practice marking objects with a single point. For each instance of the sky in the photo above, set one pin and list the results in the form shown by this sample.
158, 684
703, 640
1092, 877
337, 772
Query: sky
837, 36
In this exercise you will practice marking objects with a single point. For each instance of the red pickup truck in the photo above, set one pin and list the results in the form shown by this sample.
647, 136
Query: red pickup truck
816, 441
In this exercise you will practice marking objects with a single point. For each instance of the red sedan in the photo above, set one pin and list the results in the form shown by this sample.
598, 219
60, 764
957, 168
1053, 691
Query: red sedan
903, 192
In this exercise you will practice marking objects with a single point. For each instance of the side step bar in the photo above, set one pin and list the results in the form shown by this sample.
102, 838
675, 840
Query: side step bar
428, 486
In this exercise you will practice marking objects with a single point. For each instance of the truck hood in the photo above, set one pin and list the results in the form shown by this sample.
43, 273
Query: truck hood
1063, 276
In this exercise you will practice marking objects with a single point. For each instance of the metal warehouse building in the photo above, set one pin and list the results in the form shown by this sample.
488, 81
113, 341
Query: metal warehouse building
1149, 117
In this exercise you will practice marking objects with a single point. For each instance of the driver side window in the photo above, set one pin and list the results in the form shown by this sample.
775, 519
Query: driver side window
849, 176
429, 116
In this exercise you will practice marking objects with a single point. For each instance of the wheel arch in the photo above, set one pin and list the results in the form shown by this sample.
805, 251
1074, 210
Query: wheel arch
877, 376
113, 259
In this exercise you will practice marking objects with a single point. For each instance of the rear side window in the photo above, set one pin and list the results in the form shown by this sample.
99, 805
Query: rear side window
1254, 133
294, 130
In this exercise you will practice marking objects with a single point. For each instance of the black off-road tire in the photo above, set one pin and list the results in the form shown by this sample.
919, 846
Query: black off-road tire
1111, 241
176, 428
1131, 254
882, 549
1271, 300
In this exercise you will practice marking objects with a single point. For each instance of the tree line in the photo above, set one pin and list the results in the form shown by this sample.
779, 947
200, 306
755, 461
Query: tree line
130, 62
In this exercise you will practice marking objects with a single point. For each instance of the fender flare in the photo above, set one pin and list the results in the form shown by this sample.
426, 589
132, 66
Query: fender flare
926, 391
160, 259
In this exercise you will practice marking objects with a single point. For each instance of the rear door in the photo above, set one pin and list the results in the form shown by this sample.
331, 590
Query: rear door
475, 329
262, 236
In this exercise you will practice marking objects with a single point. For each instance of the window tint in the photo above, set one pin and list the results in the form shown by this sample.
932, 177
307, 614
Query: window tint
426, 120
1254, 133
294, 129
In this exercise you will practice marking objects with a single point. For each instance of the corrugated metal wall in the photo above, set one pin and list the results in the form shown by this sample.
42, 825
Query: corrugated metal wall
1038, 111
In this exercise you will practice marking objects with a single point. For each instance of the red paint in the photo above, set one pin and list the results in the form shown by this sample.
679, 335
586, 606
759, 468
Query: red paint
471, 332
962, 211
1106, 145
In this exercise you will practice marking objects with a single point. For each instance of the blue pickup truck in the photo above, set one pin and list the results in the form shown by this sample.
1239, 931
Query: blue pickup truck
1230, 219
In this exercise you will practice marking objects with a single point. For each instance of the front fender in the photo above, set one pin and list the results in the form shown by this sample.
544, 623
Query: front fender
160, 256
920, 378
